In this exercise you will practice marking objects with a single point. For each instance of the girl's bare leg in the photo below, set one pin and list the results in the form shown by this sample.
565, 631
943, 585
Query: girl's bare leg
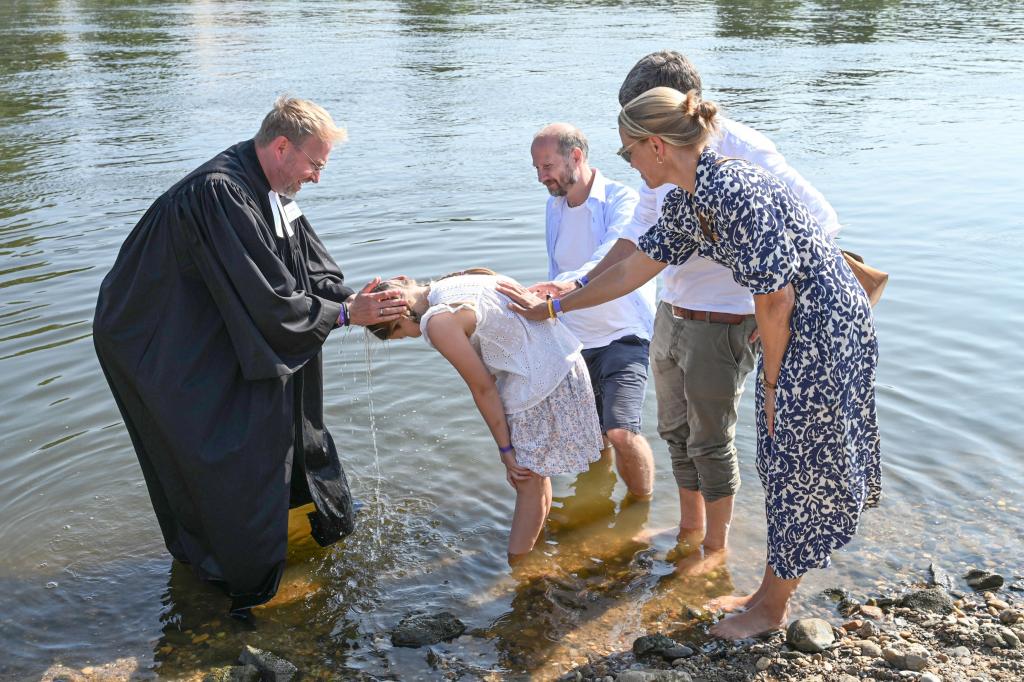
533, 501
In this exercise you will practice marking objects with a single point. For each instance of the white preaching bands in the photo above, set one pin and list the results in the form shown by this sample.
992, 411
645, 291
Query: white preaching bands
283, 215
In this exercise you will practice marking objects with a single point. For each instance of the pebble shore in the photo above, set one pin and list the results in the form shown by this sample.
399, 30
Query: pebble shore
927, 635
930, 633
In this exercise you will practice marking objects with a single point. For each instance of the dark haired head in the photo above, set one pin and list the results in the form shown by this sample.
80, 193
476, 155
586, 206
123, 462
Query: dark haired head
665, 68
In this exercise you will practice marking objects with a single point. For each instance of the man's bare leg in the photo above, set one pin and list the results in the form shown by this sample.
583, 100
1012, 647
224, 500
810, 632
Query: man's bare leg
719, 519
634, 461
692, 517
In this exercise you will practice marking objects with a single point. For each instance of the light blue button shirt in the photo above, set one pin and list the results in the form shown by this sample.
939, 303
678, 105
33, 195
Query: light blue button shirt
611, 206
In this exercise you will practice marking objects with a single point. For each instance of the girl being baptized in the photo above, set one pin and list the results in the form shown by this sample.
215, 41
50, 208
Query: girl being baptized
527, 378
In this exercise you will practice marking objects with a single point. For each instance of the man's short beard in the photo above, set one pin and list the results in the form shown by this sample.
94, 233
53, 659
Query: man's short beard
563, 188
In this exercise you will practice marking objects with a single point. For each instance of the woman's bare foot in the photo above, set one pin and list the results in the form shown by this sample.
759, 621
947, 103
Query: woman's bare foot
730, 602
758, 620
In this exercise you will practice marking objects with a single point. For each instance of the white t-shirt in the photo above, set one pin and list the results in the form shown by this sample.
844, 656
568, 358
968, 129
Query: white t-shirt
577, 239
701, 284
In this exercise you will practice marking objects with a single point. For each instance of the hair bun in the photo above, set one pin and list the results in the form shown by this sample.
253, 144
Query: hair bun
707, 111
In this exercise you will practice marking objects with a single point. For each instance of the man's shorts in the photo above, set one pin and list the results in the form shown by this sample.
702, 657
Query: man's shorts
618, 373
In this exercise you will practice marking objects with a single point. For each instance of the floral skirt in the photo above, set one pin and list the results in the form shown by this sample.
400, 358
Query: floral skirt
560, 434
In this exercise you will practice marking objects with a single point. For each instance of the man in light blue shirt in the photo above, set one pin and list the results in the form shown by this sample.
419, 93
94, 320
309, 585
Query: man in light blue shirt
586, 214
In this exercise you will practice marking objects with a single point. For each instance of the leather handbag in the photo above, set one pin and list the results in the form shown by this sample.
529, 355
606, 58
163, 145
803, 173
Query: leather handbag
872, 279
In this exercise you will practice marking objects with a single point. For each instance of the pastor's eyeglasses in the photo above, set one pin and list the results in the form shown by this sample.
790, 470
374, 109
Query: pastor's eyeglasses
317, 166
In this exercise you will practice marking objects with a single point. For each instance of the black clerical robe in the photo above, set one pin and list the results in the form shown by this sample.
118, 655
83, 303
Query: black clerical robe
209, 328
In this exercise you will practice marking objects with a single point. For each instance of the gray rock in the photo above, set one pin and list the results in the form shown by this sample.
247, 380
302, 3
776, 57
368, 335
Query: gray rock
980, 581
1009, 616
915, 661
870, 649
929, 677
933, 600
421, 629
677, 651
792, 655
763, 663
894, 657
654, 676
1010, 638
961, 652
810, 635
272, 668
650, 645
993, 640
233, 673
868, 630
937, 577
1017, 585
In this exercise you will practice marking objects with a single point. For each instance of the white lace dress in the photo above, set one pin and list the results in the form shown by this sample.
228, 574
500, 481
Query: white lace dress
541, 376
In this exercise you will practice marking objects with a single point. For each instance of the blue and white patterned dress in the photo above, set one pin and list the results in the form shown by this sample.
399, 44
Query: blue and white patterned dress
822, 467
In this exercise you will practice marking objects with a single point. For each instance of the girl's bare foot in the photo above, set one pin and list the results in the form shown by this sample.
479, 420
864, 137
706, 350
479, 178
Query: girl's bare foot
758, 620
730, 602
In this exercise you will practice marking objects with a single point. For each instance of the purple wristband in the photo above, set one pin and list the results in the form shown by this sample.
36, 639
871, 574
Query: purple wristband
343, 320
505, 449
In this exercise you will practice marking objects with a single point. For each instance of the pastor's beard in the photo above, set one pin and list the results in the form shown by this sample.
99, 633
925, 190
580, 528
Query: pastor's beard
291, 190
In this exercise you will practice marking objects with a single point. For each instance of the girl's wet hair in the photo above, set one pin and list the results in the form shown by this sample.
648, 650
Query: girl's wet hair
385, 330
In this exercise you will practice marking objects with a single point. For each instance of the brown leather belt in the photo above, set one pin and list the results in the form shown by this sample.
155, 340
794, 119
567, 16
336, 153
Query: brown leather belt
708, 316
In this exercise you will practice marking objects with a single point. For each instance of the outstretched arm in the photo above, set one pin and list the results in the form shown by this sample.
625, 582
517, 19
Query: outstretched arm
449, 334
616, 281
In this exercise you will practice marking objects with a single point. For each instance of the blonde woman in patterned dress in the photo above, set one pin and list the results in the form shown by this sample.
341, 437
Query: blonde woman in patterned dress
817, 431
527, 378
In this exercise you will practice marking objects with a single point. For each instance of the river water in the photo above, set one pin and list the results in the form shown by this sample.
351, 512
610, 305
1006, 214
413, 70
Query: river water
907, 115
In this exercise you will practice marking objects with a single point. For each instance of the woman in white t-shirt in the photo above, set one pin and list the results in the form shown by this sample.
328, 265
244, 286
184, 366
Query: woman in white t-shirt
527, 378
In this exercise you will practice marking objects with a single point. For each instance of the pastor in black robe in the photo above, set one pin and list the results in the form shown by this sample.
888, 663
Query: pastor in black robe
209, 328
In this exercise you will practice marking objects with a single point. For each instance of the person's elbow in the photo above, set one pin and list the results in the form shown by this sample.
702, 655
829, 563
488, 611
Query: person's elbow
777, 303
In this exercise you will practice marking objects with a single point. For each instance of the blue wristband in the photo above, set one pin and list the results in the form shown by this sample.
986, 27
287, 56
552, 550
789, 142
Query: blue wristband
557, 305
505, 449
343, 320
584, 280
